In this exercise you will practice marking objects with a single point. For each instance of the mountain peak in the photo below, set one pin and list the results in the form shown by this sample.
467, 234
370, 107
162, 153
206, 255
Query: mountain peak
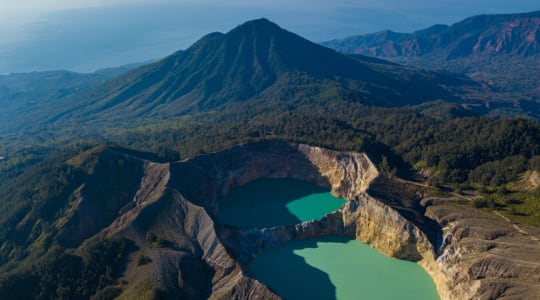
258, 60
259, 22
257, 26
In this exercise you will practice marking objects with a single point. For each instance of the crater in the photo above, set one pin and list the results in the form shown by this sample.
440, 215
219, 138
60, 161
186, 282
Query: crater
273, 202
250, 224
174, 213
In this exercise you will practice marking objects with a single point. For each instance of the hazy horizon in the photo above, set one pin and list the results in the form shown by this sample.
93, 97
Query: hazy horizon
84, 35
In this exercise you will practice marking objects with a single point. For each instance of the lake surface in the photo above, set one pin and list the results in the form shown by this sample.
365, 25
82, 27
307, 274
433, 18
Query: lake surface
322, 268
340, 268
272, 202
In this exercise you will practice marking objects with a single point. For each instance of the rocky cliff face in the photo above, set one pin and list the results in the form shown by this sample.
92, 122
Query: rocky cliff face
206, 178
182, 252
485, 257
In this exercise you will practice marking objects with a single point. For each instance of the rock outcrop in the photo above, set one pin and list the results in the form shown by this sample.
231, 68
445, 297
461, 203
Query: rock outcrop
484, 257
182, 252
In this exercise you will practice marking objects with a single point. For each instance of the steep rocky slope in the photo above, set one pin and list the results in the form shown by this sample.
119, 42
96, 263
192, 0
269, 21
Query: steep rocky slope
485, 257
179, 251
477, 255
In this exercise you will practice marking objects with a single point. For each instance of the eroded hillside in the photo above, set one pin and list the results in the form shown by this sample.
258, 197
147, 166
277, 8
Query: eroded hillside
163, 219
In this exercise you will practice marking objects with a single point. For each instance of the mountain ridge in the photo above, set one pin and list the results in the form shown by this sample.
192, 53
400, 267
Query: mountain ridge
258, 60
125, 220
500, 51
130, 219
489, 33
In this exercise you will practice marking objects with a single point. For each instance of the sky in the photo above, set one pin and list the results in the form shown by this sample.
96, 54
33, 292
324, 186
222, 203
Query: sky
85, 35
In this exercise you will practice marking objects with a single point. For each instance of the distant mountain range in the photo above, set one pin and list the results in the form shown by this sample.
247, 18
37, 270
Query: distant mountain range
516, 34
499, 50
259, 64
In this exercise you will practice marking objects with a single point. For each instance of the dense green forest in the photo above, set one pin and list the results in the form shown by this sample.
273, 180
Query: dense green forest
482, 154
226, 90
62, 274
44, 252
457, 150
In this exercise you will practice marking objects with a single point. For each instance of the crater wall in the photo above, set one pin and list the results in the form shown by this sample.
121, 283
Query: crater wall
171, 219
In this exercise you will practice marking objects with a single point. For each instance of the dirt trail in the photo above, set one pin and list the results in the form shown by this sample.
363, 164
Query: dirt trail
515, 226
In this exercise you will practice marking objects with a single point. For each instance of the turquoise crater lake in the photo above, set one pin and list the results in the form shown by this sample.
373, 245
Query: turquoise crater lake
272, 202
328, 267
340, 268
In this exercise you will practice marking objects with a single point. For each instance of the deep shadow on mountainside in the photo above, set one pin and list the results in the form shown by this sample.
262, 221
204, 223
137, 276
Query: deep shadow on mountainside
80, 221
112, 222
260, 62
501, 51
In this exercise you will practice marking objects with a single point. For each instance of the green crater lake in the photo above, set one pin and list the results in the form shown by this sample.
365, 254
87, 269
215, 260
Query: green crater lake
321, 268
272, 202
340, 268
